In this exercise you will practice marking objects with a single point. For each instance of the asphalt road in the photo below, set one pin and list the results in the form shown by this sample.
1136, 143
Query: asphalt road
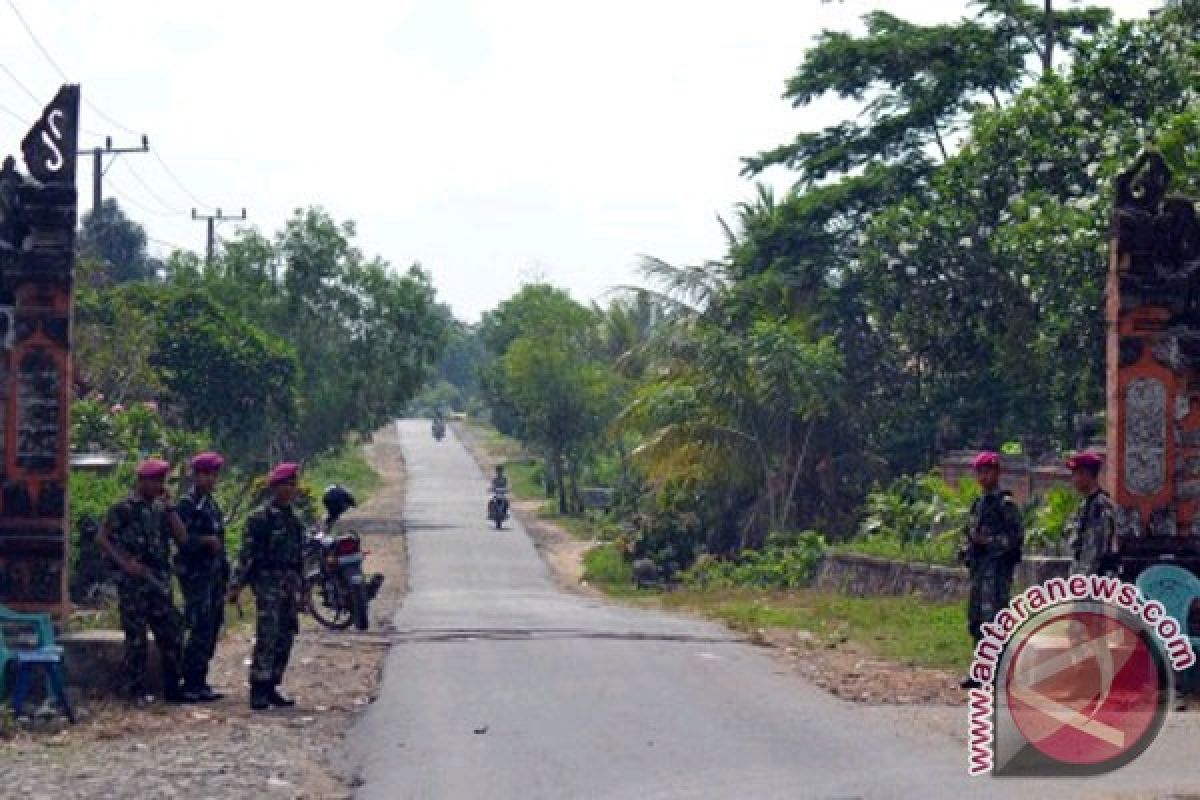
503, 686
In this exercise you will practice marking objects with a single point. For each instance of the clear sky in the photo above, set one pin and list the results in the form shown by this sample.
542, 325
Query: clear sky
494, 141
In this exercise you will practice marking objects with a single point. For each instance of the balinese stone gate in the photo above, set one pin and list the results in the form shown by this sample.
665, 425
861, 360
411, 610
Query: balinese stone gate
37, 254
1153, 355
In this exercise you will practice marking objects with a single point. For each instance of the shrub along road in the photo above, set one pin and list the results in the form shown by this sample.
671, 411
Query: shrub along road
503, 685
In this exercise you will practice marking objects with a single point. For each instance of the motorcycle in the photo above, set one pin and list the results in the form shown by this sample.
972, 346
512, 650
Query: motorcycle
498, 507
439, 429
335, 589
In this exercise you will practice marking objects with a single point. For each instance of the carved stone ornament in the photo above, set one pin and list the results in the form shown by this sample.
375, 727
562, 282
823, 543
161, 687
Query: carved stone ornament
37, 252
1161, 235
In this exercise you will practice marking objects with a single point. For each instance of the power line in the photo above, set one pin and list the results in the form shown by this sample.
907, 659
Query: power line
171, 174
115, 123
62, 73
168, 243
14, 115
153, 194
32, 96
122, 194
21, 85
38, 42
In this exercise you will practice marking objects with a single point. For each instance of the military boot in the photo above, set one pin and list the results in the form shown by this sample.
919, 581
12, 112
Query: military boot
260, 699
138, 697
197, 690
172, 692
277, 699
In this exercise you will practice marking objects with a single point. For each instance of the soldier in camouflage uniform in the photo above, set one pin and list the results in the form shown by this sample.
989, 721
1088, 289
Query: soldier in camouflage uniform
136, 534
995, 536
1093, 531
272, 563
203, 572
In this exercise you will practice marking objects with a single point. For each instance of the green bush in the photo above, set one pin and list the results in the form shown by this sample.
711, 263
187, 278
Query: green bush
789, 561
1046, 527
917, 508
917, 518
346, 466
605, 565
671, 540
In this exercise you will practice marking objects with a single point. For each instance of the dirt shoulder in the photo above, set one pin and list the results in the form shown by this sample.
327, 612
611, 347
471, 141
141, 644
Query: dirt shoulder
223, 749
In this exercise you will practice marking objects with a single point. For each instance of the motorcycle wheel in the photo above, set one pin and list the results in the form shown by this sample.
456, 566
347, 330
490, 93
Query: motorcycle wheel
499, 522
334, 615
358, 605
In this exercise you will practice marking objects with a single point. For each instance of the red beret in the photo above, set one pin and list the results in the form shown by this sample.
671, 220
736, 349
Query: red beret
986, 459
1086, 460
153, 468
282, 473
208, 462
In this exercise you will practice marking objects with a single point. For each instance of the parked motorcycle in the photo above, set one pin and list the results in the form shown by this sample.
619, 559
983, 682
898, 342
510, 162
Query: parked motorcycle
336, 590
498, 507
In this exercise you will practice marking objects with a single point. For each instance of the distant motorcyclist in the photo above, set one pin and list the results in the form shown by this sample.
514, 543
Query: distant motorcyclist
499, 480
498, 505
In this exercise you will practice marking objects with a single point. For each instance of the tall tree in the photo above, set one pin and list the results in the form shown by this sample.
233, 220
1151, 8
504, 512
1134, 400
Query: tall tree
108, 236
918, 84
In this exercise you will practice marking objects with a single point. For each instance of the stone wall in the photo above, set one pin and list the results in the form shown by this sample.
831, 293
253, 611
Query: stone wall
863, 575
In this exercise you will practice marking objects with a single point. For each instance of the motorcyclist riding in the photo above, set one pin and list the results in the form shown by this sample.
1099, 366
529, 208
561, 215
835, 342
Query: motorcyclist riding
500, 480
498, 505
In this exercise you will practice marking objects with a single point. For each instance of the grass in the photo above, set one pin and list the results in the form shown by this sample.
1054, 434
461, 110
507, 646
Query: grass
525, 479
605, 568
938, 551
348, 467
907, 630
903, 629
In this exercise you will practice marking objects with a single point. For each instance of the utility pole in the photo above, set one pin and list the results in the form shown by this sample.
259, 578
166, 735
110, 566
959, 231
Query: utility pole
212, 220
98, 168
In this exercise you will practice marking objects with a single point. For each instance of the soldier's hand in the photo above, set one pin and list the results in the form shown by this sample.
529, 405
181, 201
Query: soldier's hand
137, 569
233, 594
212, 543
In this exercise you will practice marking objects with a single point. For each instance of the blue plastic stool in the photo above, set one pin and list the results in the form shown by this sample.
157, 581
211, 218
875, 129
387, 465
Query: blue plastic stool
1176, 588
49, 660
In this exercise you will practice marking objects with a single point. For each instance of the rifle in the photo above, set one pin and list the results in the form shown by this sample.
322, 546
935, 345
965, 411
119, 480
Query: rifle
161, 587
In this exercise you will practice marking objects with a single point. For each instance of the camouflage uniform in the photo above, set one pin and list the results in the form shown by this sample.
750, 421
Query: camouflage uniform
995, 536
272, 563
1093, 537
203, 575
140, 529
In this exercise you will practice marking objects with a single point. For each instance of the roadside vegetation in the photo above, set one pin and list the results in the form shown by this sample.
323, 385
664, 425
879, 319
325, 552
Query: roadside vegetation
931, 282
296, 347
